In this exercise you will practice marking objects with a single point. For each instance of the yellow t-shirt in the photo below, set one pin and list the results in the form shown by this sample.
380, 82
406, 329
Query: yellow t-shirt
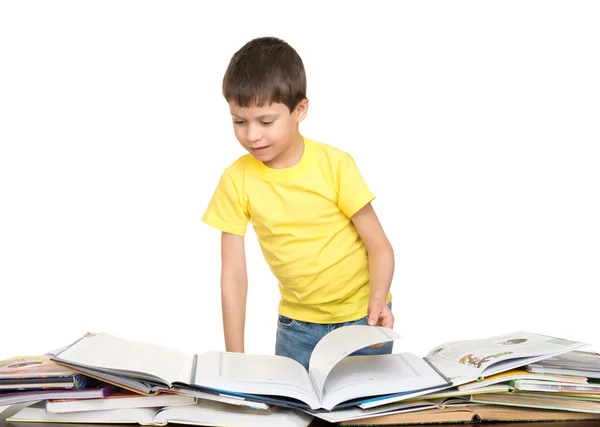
301, 216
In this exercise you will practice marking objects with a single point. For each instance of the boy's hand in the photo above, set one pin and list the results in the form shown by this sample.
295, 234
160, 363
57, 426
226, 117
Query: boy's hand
379, 314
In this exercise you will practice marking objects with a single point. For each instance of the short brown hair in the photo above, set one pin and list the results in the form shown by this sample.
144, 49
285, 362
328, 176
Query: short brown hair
265, 70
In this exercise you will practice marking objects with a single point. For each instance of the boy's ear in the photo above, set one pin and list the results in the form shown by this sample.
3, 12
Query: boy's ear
301, 110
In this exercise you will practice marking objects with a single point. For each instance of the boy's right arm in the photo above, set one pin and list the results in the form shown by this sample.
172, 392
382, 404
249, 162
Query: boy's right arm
234, 290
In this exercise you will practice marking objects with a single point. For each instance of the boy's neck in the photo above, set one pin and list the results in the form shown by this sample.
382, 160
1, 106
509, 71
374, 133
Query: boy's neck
291, 156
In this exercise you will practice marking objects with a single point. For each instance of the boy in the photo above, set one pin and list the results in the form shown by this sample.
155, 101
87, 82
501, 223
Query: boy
309, 206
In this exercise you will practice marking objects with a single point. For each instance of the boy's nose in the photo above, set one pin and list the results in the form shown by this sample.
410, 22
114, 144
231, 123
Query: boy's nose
254, 134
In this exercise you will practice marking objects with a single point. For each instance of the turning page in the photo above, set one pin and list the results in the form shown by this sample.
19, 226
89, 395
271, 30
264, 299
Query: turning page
344, 378
340, 343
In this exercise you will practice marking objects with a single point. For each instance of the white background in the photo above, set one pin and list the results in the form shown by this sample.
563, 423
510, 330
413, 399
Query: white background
475, 123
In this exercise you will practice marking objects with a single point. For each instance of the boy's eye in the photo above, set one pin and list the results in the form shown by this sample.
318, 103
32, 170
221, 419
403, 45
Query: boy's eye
264, 123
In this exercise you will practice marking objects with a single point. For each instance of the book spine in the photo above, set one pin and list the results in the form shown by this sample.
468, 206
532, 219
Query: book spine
438, 371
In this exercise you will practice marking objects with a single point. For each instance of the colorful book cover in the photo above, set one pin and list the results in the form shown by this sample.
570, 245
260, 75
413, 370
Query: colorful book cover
31, 367
34, 372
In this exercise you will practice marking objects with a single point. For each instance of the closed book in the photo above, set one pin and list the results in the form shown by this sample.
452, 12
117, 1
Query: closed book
119, 399
101, 391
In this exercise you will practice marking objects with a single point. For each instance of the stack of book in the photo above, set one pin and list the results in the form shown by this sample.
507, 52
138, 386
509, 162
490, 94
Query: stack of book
29, 379
556, 389
568, 382
468, 380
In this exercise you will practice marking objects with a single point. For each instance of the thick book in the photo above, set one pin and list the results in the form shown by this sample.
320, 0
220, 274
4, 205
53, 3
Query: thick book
204, 412
117, 400
13, 398
334, 379
471, 414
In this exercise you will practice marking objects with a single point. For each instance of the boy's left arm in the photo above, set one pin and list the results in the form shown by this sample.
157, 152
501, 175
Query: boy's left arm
381, 265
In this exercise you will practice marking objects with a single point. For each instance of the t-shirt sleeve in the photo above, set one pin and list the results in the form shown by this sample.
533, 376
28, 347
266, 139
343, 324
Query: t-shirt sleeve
226, 210
353, 192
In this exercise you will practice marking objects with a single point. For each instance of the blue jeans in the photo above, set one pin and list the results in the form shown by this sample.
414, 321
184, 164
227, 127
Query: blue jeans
297, 339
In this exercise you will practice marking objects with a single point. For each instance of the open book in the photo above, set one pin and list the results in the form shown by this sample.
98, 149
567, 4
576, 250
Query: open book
471, 360
333, 379
202, 413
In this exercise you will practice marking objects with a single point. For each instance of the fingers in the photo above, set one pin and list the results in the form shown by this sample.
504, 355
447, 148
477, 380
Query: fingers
374, 317
381, 318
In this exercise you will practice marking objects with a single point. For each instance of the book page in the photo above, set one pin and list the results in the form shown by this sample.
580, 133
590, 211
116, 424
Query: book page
255, 374
363, 376
340, 343
496, 354
99, 352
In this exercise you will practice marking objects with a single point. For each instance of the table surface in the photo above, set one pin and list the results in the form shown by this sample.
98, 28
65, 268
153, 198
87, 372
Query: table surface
316, 423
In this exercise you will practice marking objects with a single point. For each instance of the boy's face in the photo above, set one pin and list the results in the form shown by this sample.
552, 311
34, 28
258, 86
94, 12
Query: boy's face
268, 132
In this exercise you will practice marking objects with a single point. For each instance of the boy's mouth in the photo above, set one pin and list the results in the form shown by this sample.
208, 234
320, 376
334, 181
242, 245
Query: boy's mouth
258, 150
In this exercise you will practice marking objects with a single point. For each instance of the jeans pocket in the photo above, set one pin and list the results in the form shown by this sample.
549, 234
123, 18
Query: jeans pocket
285, 322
